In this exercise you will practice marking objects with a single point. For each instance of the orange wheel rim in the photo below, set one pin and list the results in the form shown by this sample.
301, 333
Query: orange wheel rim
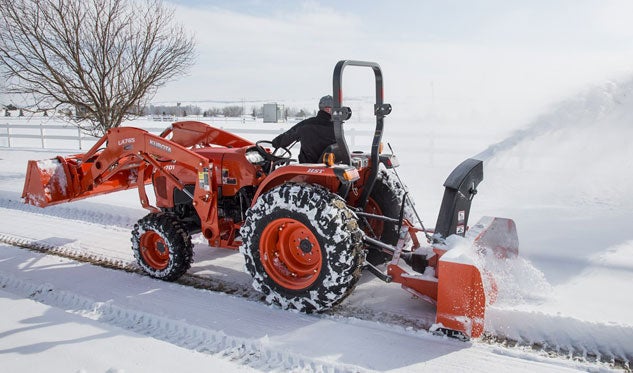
377, 225
290, 253
154, 250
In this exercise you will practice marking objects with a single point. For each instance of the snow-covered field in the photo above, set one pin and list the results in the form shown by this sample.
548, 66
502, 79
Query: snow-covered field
564, 177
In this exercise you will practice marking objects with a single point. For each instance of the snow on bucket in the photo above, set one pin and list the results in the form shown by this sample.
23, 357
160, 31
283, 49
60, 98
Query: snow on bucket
47, 182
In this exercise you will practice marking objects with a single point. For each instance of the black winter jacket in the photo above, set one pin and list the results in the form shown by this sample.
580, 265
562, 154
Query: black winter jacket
315, 134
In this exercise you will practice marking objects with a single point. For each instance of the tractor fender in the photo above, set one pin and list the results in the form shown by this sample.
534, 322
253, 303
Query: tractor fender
330, 177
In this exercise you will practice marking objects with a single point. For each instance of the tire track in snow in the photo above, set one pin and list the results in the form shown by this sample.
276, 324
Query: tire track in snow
245, 351
85, 215
238, 349
85, 255
539, 343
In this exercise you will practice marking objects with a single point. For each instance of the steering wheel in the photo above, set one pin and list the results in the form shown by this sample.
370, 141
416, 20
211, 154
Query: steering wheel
283, 157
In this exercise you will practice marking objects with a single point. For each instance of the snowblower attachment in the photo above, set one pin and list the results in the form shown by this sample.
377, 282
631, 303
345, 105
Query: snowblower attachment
450, 270
465, 286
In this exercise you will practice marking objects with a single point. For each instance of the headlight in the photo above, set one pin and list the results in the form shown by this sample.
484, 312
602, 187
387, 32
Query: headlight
253, 156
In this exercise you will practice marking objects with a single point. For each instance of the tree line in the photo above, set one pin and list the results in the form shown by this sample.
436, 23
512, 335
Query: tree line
230, 111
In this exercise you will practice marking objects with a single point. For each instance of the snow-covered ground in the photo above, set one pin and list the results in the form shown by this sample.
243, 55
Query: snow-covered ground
564, 177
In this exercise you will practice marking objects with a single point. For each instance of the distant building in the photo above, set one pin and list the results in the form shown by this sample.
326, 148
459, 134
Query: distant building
273, 113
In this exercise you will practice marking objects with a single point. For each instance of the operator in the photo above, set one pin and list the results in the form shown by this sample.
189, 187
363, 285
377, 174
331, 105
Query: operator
315, 133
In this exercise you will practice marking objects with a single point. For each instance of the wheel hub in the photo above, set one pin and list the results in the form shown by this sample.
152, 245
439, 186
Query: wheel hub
154, 250
290, 253
160, 247
305, 245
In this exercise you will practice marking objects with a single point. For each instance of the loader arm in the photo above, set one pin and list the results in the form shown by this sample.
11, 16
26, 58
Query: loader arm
129, 158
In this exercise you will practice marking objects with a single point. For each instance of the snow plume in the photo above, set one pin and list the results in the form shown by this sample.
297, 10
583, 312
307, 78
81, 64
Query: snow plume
579, 153
607, 107
508, 282
517, 281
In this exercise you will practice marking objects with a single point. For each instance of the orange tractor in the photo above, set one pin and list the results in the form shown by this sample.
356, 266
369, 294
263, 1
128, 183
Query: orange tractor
307, 231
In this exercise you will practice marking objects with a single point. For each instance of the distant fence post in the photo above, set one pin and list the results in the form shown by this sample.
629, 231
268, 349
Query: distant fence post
79, 136
432, 149
42, 135
351, 132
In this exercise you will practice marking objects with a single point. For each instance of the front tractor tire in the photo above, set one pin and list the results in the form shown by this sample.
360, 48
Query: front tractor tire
303, 247
162, 247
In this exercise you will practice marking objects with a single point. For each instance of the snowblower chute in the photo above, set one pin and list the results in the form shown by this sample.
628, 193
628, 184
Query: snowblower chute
306, 230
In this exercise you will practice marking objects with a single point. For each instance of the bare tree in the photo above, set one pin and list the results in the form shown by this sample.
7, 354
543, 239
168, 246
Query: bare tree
103, 58
232, 111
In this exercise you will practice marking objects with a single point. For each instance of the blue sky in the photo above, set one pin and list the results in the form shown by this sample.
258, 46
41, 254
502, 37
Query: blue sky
472, 52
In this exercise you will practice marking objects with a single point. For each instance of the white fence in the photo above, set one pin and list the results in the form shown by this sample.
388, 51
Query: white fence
419, 146
11, 134
22, 134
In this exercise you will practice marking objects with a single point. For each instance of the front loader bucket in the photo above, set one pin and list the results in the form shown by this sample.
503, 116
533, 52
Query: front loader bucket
58, 180
465, 286
48, 182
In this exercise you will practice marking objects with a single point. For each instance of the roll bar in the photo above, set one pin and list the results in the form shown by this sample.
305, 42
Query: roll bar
342, 113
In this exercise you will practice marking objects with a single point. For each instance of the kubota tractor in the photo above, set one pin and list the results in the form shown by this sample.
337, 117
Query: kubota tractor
306, 231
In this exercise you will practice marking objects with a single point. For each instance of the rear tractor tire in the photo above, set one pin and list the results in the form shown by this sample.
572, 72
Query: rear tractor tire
303, 247
386, 199
162, 247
